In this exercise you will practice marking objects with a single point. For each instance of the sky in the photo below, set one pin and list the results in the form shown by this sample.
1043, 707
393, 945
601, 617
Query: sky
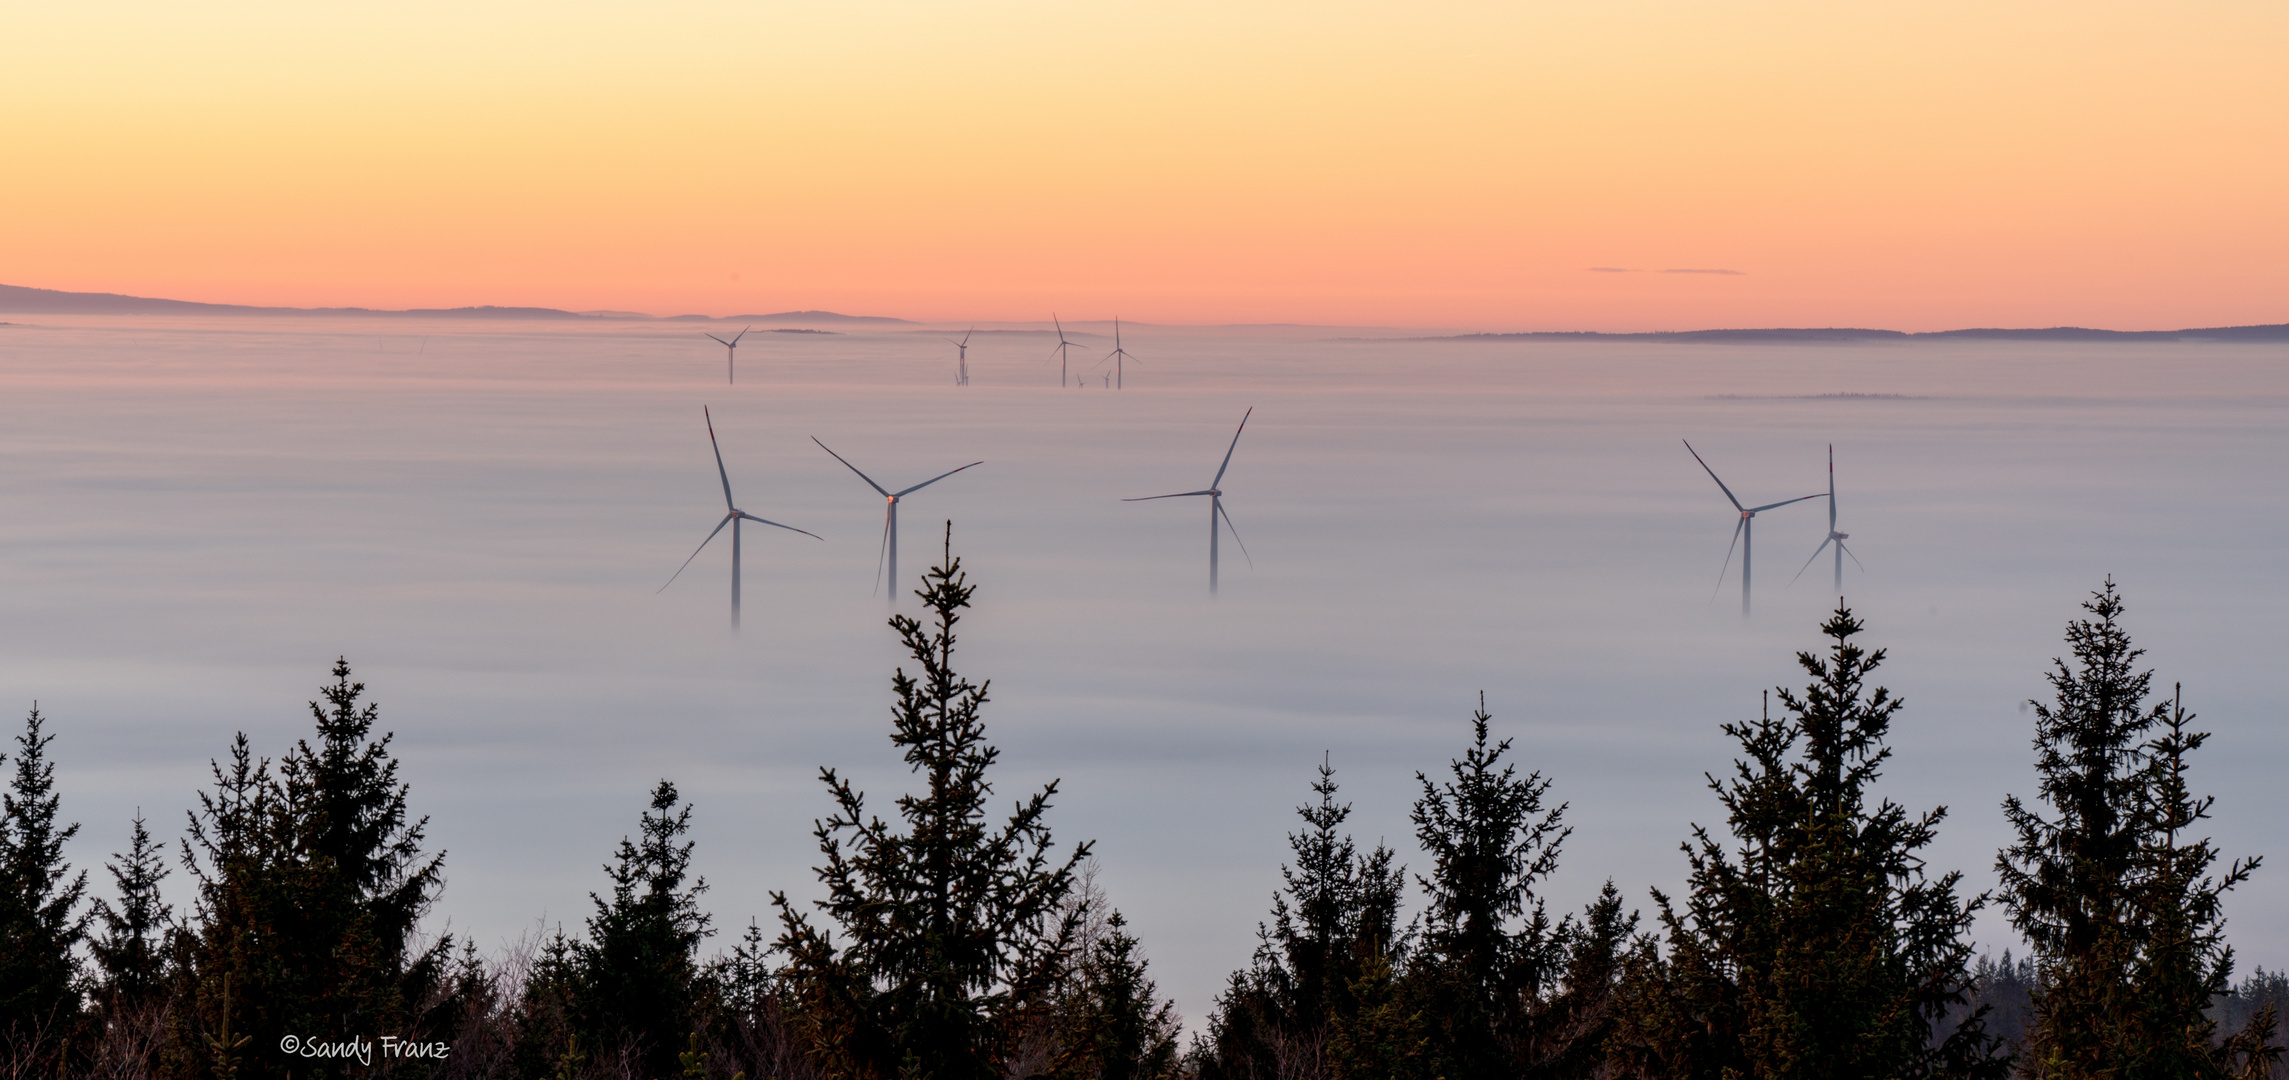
1479, 165
204, 513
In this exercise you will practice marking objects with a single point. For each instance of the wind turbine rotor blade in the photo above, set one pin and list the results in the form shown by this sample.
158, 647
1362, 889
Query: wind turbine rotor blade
935, 479
838, 457
1227, 516
966, 336
742, 333
1219, 481
1713, 476
1178, 495
1815, 555
727, 519
882, 554
715, 339
1744, 523
774, 524
1785, 502
1848, 553
720, 472
1831, 487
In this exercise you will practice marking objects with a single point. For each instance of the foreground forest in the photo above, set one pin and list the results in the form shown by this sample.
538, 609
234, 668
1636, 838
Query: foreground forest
952, 942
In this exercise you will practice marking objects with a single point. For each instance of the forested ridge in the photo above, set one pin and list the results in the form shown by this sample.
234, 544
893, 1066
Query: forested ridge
955, 939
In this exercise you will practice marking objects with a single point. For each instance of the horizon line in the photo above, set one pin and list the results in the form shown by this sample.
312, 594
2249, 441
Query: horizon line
28, 300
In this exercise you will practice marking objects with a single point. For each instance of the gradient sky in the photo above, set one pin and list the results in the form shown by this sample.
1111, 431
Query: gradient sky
1916, 166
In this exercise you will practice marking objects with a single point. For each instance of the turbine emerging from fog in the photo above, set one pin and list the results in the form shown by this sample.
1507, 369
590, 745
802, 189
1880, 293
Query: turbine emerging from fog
1216, 504
1063, 346
1834, 537
732, 516
962, 368
890, 517
1742, 537
730, 354
1118, 354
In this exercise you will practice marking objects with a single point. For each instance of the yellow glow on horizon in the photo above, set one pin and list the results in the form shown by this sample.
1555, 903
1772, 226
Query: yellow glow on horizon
1910, 166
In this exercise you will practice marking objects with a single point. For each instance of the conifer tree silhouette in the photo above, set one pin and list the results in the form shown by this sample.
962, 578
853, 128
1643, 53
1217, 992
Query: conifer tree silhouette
2113, 892
1321, 988
131, 953
636, 971
1490, 950
951, 933
41, 921
310, 881
1820, 947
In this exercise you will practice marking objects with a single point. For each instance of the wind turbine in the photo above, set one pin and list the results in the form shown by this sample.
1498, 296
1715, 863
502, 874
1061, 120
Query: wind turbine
1062, 346
1118, 355
731, 354
890, 518
733, 515
962, 373
1742, 534
1834, 537
1216, 504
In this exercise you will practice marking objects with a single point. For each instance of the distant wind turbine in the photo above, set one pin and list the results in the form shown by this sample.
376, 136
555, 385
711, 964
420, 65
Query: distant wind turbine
1834, 537
962, 372
890, 518
733, 515
730, 355
1216, 504
1062, 346
1742, 536
1118, 354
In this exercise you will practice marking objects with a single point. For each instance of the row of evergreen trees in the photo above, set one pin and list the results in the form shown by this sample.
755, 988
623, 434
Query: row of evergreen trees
953, 943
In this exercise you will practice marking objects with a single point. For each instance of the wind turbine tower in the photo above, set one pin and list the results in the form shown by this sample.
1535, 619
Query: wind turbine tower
1834, 537
1118, 354
890, 516
1742, 536
732, 516
1216, 505
1062, 347
730, 354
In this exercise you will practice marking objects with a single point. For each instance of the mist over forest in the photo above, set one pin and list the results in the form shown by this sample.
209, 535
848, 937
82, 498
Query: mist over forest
1404, 797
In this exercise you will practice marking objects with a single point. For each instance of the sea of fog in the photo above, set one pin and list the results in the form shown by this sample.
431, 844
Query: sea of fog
198, 515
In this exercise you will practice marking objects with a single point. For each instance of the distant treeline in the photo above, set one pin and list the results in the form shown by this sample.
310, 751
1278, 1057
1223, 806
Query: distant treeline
1847, 335
959, 941
18, 298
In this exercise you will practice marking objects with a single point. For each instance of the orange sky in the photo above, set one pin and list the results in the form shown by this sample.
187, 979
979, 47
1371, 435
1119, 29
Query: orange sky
1459, 163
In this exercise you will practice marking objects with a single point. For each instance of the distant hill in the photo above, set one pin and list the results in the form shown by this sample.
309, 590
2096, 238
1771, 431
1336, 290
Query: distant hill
1783, 335
22, 300
814, 316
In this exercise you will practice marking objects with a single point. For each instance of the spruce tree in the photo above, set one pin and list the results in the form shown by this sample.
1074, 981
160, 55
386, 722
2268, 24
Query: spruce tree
951, 929
41, 921
131, 952
1117, 1026
2106, 883
1321, 994
1571, 1031
230, 852
1820, 947
1490, 950
310, 883
638, 967
349, 813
